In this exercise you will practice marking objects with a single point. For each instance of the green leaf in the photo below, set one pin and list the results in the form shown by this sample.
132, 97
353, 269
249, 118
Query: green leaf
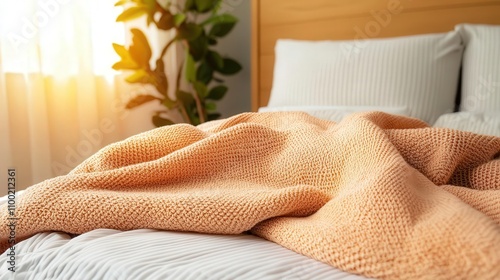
139, 76
215, 60
140, 49
179, 19
204, 73
190, 68
189, 31
139, 100
224, 18
201, 89
217, 7
205, 5
193, 117
210, 106
222, 25
217, 93
212, 41
190, 5
131, 13
231, 67
166, 21
159, 121
191, 112
198, 47
213, 116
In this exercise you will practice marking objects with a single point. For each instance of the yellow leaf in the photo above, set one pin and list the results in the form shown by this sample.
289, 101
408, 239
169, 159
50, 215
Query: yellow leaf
139, 76
131, 13
121, 50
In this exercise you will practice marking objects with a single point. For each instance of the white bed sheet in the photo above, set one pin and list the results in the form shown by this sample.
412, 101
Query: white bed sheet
153, 254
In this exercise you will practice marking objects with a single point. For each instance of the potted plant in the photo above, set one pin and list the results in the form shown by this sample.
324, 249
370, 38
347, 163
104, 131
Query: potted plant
198, 26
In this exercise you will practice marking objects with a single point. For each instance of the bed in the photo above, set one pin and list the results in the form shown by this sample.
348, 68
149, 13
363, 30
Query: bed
366, 176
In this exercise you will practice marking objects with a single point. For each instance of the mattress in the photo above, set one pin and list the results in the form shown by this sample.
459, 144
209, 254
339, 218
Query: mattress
153, 254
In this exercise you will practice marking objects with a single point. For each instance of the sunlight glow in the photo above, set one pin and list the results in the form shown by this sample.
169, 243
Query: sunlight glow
59, 37
106, 31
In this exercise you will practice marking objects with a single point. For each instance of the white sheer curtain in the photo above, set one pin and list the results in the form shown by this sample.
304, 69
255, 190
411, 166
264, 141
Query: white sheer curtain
60, 101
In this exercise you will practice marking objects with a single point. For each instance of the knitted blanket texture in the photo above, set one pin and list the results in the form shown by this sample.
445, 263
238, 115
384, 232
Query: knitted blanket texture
378, 195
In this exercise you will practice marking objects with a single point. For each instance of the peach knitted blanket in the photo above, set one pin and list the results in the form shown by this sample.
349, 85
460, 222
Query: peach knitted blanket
376, 194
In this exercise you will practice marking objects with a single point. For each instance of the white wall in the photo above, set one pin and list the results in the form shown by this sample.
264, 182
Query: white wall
237, 46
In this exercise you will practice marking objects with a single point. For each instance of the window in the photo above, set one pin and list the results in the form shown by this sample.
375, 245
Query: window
59, 36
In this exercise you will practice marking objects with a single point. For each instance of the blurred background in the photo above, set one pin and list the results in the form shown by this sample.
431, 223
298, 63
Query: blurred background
60, 99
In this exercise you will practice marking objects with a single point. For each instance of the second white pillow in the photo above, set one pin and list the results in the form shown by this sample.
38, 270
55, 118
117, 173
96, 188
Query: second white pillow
481, 68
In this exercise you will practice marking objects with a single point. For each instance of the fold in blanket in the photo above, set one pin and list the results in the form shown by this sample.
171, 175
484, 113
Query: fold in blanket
378, 195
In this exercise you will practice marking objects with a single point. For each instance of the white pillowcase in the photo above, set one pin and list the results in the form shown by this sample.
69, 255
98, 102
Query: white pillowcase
419, 72
481, 68
335, 113
482, 123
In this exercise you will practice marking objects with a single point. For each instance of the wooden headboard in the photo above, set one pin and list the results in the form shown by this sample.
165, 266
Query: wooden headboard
348, 20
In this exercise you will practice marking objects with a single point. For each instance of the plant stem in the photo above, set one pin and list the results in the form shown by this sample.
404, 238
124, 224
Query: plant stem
178, 85
201, 112
184, 113
199, 107
165, 49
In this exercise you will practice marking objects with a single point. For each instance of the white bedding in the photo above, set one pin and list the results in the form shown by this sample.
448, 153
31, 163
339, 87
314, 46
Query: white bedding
482, 123
152, 254
336, 113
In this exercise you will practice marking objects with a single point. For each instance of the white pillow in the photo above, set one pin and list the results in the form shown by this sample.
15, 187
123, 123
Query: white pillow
336, 113
482, 123
419, 72
481, 68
